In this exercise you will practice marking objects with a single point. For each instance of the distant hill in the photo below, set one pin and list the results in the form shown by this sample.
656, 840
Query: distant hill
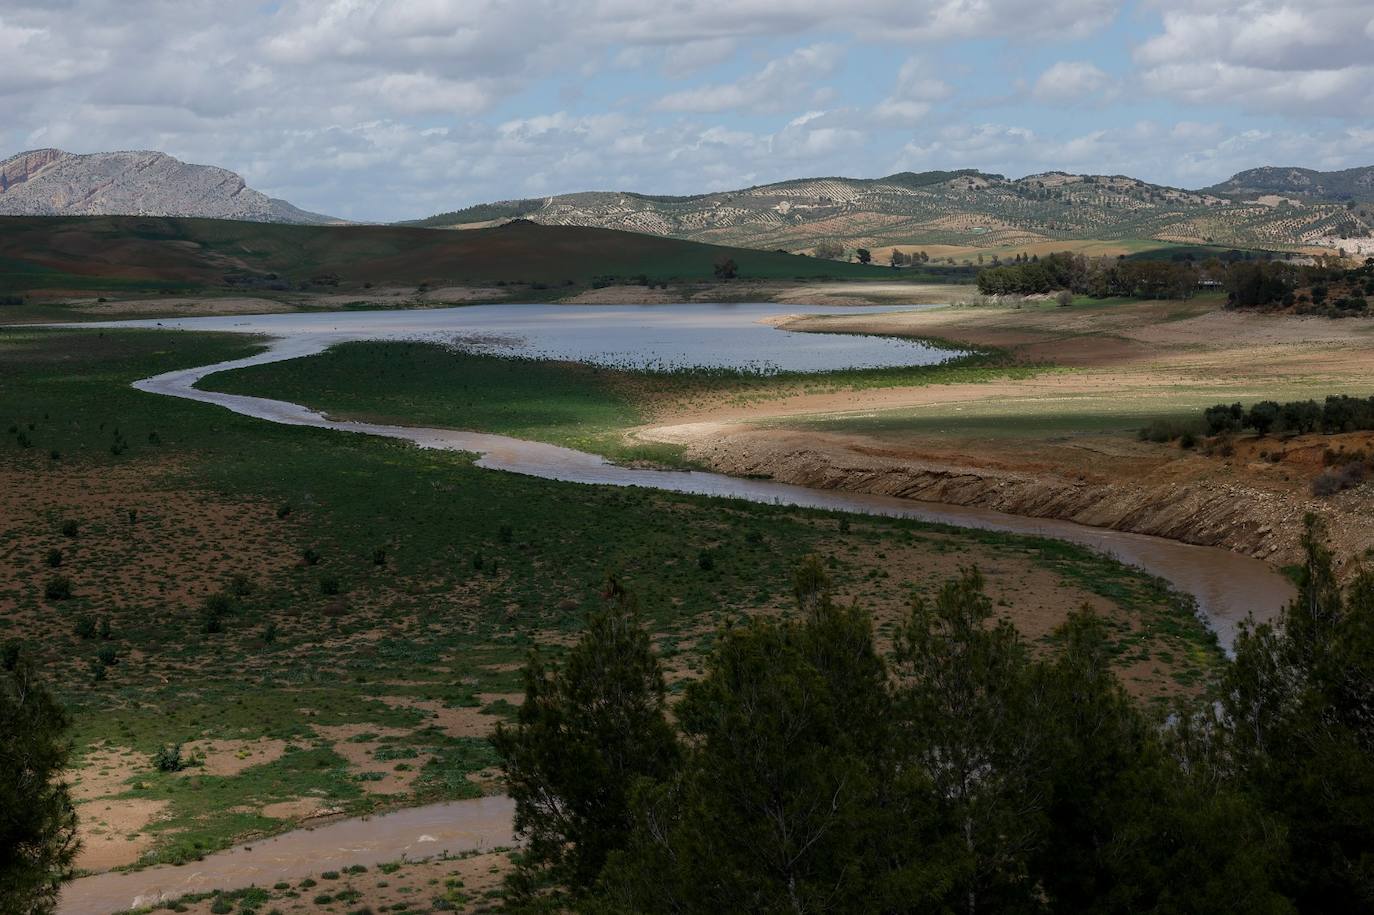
124, 253
1351, 184
966, 208
50, 182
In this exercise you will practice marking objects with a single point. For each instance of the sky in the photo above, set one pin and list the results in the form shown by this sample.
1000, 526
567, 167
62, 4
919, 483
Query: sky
387, 110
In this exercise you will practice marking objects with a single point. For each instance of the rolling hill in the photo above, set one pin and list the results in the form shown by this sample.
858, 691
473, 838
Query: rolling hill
1349, 185
51, 182
130, 252
968, 208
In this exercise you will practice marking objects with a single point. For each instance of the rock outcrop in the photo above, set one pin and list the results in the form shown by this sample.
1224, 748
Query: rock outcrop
51, 182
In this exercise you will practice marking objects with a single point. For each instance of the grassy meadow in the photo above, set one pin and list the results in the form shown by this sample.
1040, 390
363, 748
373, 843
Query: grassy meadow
581, 406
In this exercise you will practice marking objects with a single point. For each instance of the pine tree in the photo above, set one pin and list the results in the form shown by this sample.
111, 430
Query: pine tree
588, 729
37, 823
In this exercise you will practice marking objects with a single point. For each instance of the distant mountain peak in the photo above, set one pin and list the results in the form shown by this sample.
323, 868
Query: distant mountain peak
53, 182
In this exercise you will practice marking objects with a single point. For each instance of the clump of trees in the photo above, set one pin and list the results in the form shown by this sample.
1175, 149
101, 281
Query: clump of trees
1099, 277
904, 259
1339, 413
1331, 289
38, 843
831, 250
1260, 284
808, 771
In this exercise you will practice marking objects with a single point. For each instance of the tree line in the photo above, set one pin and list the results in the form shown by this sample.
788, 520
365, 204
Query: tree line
1322, 287
1095, 276
1339, 413
806, 771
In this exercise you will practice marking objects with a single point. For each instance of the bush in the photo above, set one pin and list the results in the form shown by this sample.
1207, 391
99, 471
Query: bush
59, 587
70, 528
329, 585
168, 758
1160, 431
85, 627
705, 561
108, 655
310, 557
1337, 479
54, 558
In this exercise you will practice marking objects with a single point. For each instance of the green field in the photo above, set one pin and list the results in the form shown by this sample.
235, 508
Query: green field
580, 406
313, 580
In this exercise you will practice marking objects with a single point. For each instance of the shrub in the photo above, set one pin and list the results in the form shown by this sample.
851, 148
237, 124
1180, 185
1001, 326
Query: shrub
85, 627
1334, 480
221, 906
1160, 431
329, 585
310, 557
214, 611
70, 528
379, 556
168, 758
705, 561
108, 655
54, 558
9, 654
283, 509
59, 587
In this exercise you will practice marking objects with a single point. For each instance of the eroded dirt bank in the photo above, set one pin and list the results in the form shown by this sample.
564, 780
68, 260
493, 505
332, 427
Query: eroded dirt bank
1247, 517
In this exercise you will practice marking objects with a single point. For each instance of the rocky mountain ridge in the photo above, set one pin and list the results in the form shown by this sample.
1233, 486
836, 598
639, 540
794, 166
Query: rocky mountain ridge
52, 182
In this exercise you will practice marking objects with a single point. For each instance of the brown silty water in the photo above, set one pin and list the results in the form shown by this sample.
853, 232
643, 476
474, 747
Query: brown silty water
1228, 588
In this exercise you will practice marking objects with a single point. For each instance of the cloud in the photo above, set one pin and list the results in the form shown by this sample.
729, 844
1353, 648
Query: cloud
769, 89
1265, 56
1071, 82
394, 108
914, 94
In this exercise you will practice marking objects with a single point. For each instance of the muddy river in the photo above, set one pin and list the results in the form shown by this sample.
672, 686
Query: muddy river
1227, 586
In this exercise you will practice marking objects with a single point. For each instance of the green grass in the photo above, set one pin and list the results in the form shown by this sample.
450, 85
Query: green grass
452, 626
581, 406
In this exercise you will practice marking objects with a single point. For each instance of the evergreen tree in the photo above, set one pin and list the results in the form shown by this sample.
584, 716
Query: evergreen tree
788, 800
37, 823
586, 731
969, 717
1298, 722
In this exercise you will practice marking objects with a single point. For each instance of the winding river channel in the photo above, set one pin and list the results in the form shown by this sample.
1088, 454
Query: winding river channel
1226, 585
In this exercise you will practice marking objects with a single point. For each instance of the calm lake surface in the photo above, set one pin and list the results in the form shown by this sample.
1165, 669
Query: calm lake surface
626, 336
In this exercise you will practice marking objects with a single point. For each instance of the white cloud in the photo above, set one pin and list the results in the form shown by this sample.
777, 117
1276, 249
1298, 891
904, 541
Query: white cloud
769, 89
1071, 82
1268, 56
914, 94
